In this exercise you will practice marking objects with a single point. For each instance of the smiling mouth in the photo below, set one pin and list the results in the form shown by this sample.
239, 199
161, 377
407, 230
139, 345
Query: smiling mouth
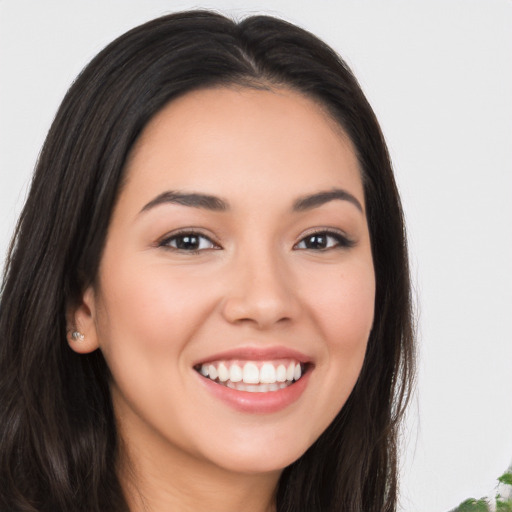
253, 376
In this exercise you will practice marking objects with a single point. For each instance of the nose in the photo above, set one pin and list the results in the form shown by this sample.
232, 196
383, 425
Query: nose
261, 293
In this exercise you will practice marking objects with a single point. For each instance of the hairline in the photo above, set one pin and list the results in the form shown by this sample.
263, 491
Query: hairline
238, 84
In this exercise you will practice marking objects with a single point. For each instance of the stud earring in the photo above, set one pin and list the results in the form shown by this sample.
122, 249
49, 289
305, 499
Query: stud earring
77, 336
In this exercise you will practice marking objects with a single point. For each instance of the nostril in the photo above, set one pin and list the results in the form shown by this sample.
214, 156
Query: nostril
260, 313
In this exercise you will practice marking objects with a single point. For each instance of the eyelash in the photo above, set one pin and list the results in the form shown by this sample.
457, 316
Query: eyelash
165, 243
341, 241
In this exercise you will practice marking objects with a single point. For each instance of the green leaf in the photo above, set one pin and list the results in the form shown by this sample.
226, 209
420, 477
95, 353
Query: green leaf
503, 506
506, 478
472, 505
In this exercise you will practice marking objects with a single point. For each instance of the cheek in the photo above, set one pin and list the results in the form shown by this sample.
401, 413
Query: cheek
152, 305
147, 319
343, 305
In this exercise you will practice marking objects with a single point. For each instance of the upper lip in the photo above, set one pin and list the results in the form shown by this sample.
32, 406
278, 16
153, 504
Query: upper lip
254, 353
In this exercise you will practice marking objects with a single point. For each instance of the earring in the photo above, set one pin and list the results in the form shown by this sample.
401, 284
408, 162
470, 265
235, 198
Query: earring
77, 336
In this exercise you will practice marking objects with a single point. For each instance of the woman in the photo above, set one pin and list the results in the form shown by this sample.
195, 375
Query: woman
206, 303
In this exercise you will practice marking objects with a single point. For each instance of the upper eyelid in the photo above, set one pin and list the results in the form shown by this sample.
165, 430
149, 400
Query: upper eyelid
323, 229
309, 232
329, 231
348, 241
186, 231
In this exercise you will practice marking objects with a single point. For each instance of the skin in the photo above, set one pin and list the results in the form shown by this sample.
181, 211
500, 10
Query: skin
155, 311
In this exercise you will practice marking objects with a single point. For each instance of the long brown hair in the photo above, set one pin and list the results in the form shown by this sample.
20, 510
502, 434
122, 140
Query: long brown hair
58, 440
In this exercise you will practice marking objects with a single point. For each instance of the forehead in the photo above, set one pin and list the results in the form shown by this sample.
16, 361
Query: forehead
228, 138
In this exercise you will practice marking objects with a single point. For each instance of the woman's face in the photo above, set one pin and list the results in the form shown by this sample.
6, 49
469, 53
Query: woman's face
236, 289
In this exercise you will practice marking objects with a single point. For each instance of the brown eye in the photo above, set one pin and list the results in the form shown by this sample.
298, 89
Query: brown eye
324, 240
188, 242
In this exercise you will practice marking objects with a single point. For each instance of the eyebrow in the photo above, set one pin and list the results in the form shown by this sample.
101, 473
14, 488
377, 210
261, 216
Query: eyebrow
213, 203
193, 200
315, 200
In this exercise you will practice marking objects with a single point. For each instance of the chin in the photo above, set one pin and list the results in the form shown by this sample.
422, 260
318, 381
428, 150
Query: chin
252, 458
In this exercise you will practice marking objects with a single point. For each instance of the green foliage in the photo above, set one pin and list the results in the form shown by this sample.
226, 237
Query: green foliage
506, 478
503, 506
472, 505
483, 504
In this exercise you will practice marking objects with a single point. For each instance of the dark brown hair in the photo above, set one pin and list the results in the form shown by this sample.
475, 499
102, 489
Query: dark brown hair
58, 441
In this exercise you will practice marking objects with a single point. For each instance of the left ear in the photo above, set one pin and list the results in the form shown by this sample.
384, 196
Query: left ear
81, 319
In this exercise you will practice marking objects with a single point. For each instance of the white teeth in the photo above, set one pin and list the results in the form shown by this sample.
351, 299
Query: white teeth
251, 374
235, 373
267, 374
281, 373
257, 377
297, 372
223, 372
257, 388
290, 371
212, 372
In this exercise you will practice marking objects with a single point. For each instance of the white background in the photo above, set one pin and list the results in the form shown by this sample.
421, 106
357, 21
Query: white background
439, 75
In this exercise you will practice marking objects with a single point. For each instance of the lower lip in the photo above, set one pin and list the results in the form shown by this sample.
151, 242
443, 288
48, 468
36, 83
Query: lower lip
262, 403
